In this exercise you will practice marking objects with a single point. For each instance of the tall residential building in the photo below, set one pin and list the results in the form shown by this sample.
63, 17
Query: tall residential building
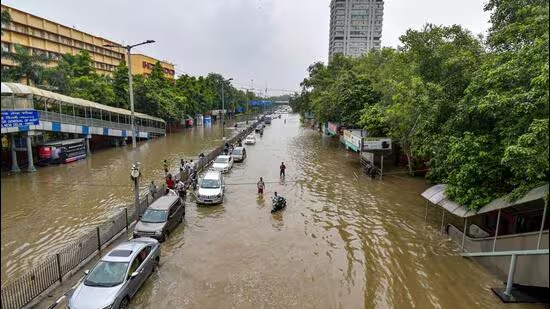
355, 26
42, 36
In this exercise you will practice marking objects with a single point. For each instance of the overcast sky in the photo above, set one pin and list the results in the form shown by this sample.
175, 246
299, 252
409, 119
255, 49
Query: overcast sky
269, 41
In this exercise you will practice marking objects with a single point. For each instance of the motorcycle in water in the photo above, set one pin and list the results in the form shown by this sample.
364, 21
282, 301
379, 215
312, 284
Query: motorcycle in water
278, 204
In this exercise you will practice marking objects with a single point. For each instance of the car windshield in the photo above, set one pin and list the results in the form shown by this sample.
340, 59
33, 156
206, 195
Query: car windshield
237, 151
107, 274
250, 137
210, 184
221, 160
154, 216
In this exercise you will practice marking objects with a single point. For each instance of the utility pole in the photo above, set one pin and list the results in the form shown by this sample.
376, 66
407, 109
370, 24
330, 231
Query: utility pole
223, 108
135, 172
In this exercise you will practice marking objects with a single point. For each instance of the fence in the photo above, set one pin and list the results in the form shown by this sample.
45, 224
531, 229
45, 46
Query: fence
21, 291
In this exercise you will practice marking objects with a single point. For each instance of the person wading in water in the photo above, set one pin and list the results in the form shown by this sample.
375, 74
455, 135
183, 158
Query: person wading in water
261, 186
282, 169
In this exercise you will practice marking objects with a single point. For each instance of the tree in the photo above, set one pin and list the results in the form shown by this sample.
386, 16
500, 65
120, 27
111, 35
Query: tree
28, 66
5, 19
69, 67
120, 86
507, 101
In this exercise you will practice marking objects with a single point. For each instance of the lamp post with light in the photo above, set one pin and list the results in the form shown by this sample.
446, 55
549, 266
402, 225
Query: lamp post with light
135, 165
223, 107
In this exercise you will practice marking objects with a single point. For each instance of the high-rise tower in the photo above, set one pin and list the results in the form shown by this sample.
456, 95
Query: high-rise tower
355, 26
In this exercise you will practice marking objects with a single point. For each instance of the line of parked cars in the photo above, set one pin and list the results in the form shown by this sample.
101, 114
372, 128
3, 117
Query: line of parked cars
119, 274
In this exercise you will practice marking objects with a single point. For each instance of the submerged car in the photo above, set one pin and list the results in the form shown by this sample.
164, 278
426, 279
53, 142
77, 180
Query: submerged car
117, 276
259, 128
211, 189
250, 140
160, 218
223, 163
239, 154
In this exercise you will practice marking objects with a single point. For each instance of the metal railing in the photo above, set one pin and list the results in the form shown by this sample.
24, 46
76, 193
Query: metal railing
26, 288
76, 120
514, 255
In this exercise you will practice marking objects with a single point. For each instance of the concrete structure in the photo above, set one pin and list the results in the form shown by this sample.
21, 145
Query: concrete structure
52, 39
355, 26
142, 64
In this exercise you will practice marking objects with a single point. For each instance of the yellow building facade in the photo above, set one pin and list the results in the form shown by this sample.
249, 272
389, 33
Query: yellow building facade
142, 64
42, 36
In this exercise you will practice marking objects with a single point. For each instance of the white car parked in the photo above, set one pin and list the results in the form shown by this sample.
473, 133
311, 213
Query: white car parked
250, 140
211, 189
223, 163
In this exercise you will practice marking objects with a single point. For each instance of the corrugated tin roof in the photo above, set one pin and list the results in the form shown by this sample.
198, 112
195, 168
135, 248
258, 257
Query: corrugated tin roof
17, 88
436, 195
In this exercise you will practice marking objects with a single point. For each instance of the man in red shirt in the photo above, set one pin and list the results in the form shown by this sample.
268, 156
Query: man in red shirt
169, 183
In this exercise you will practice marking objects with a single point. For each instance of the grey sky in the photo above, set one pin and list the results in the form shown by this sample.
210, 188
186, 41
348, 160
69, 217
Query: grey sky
269, 41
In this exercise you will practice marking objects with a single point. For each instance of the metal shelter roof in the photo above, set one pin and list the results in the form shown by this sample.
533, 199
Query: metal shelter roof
20, 89
436, 195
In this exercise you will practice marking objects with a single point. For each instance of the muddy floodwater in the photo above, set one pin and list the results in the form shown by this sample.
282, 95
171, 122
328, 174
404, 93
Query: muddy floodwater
344, 240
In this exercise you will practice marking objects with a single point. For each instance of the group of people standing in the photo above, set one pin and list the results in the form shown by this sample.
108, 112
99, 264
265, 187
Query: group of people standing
175, 185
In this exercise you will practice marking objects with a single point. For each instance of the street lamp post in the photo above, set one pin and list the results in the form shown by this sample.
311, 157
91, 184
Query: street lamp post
130, 84
223, 108
135, 167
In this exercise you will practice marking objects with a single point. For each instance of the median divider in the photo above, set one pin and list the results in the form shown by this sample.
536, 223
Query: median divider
35, 284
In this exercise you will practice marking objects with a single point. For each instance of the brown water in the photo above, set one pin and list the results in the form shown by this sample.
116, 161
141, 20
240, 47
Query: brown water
344, 241
43, 211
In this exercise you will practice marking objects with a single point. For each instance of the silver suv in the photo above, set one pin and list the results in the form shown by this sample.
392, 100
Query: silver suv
160, 218
211, 189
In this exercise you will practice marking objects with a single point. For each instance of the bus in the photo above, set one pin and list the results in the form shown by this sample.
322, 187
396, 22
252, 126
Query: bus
62, 152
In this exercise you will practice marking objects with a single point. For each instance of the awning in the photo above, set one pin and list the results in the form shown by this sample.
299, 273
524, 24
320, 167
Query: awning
436, 195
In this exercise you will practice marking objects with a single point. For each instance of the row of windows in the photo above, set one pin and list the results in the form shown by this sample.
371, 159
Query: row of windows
53, 56
148, 65
63, 40
104, 66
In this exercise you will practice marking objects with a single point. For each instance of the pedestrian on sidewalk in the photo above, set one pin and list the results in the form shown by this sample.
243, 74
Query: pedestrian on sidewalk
282, 169
165, 163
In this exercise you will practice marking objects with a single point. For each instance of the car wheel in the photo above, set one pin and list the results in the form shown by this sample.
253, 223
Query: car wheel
124, 303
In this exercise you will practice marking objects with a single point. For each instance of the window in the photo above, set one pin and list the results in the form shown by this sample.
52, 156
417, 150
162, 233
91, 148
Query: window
6, 47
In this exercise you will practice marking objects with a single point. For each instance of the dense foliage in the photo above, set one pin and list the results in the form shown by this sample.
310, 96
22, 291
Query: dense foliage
475, 109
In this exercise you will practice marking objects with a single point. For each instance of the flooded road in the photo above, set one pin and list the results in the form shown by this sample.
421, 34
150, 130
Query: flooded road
344, 240
43, 211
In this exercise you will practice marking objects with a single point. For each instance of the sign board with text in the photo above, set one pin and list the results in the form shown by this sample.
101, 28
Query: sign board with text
376, 143
19, 118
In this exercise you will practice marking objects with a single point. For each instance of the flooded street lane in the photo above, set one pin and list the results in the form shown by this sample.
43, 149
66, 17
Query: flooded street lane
43, 211
344, 241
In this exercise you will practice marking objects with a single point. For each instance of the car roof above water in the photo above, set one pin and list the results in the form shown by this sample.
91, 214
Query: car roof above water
164, 202
212, 175
124, 252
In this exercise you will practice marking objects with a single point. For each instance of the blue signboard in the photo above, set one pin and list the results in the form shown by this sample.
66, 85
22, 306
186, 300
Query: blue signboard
260, 103
19, 118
